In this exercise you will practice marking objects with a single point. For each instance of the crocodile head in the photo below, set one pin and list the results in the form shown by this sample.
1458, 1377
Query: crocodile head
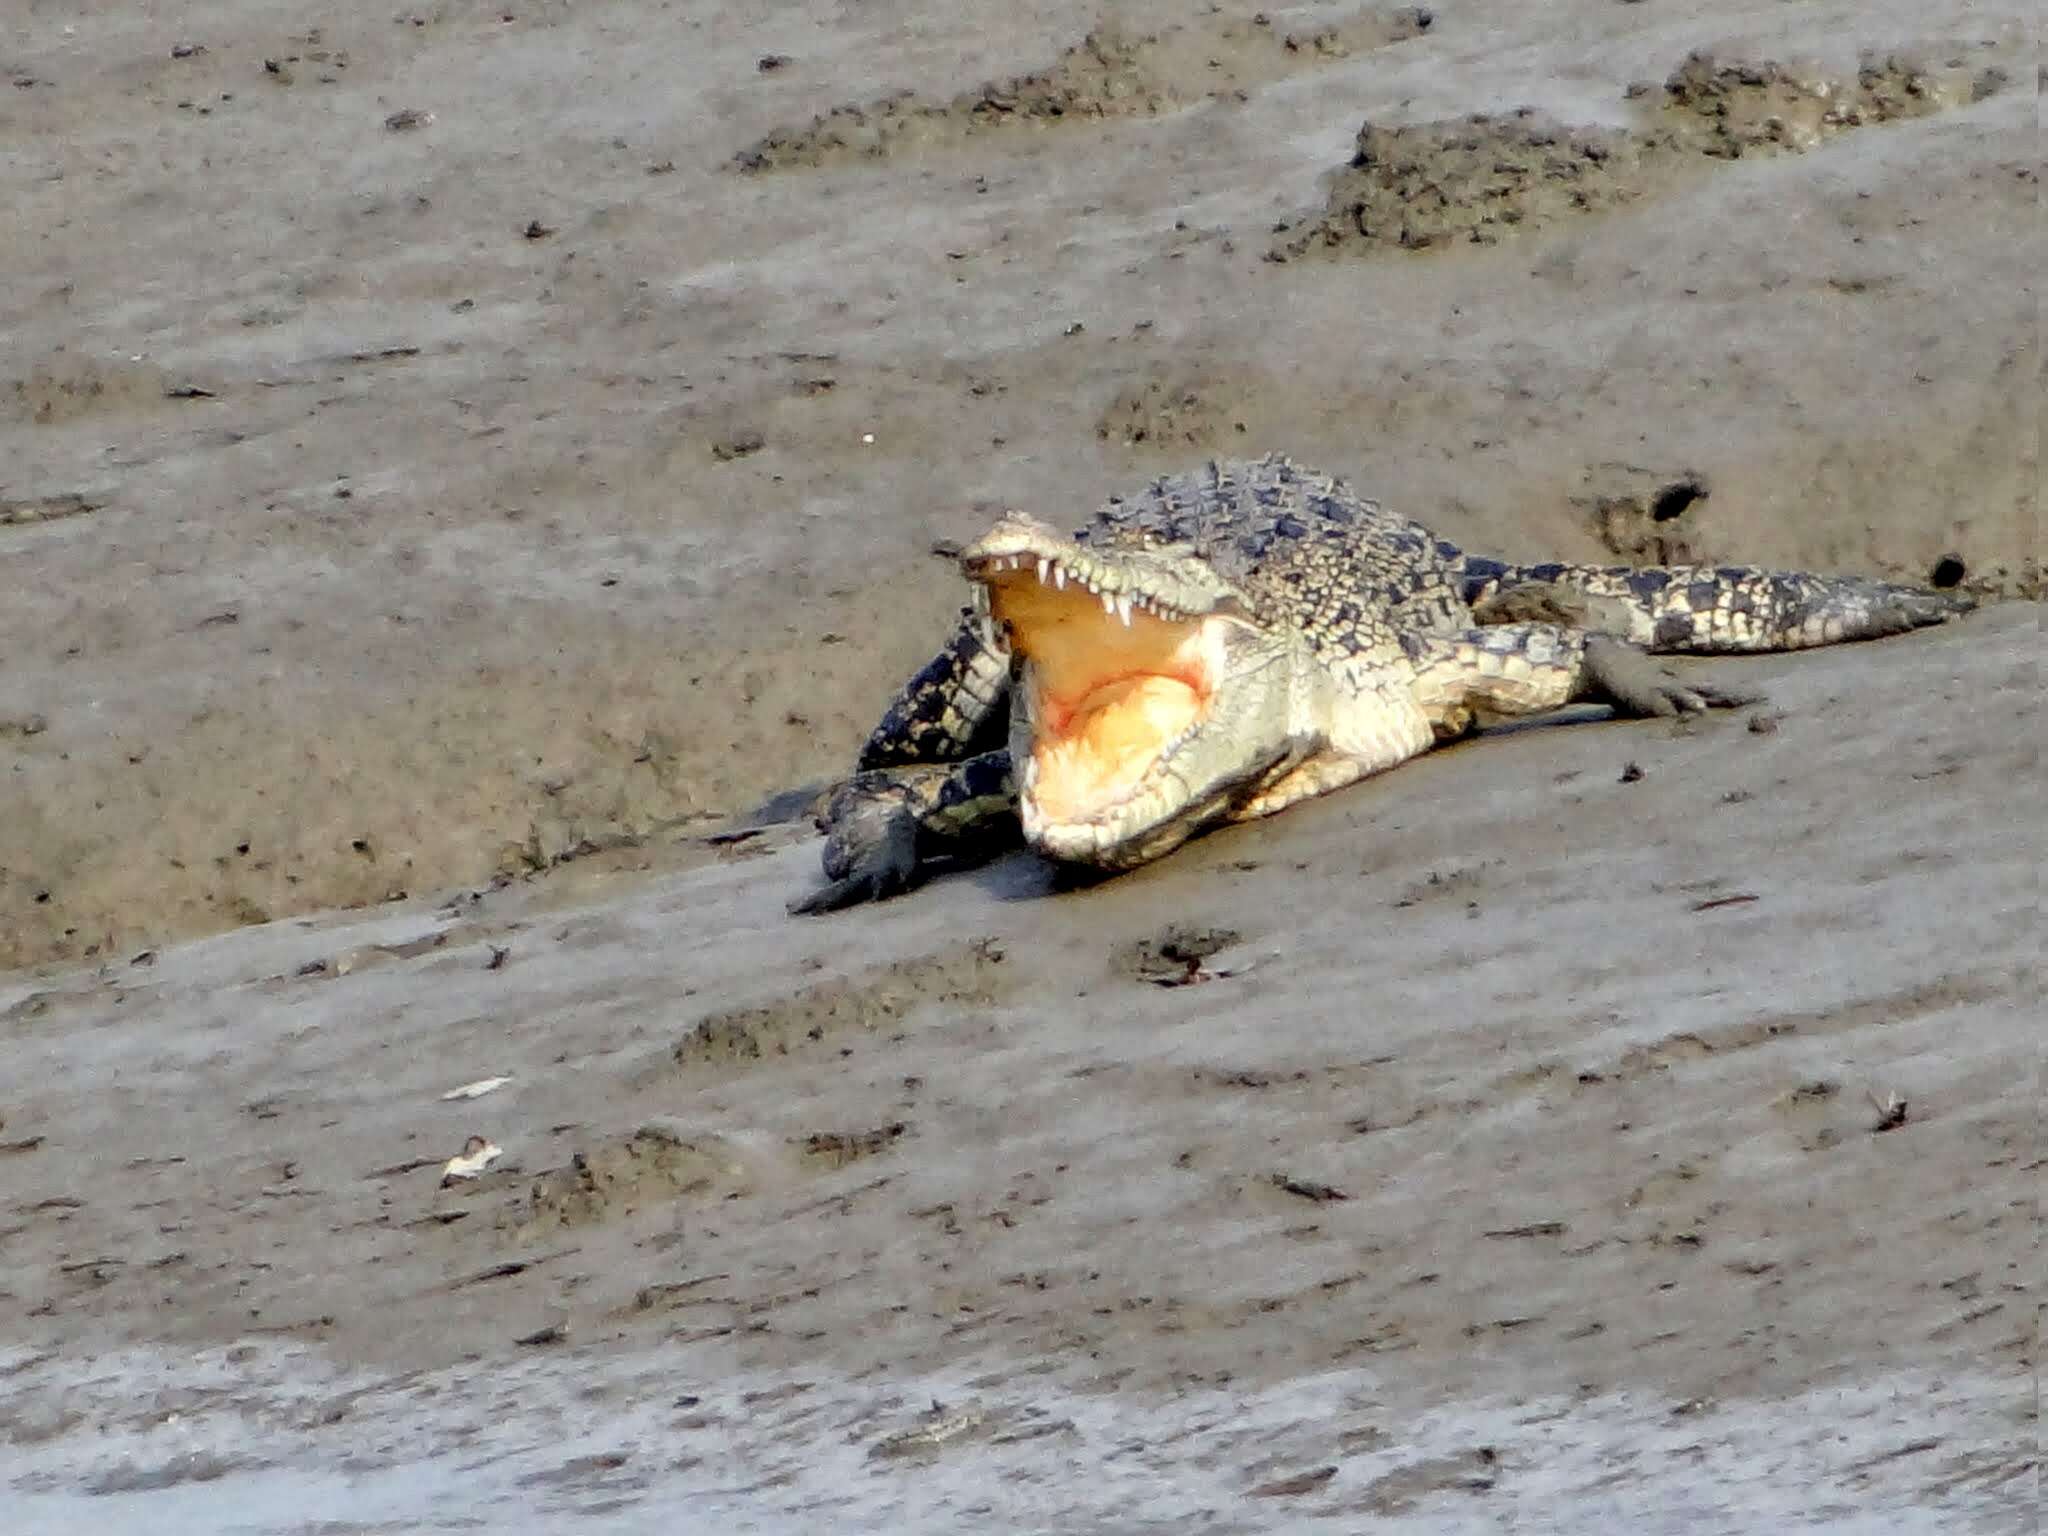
1151, 697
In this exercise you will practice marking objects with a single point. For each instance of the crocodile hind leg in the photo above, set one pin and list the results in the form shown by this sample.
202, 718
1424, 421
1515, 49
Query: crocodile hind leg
1505, 670
883, 826
1705, 610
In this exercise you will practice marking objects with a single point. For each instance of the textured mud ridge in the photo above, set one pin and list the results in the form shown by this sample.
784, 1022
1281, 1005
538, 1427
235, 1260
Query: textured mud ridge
1106, 75
1480, 179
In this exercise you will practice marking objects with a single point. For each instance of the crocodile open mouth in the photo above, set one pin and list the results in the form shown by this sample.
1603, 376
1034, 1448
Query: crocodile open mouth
1118, 682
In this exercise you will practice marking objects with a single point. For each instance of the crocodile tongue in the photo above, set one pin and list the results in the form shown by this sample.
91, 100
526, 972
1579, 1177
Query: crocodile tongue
1113, 685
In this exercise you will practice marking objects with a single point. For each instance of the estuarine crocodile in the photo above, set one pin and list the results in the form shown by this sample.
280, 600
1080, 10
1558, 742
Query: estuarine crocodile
1227, 642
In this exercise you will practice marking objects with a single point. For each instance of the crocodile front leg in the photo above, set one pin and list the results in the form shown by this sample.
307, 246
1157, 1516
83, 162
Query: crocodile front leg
883, 826
954, 707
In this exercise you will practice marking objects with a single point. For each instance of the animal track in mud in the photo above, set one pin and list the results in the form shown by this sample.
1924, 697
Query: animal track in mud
970, 974
1477, 180
1106, 75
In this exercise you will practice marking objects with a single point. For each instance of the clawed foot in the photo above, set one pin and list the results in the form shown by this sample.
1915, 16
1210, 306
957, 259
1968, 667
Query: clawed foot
1620, 675
870, 848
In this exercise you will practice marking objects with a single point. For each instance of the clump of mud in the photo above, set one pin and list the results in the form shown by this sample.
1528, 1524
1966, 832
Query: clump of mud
1175, 956
654, 1165
963, 975
1476, 180
1726, 111
1098, 78
1470, 181
1107, 75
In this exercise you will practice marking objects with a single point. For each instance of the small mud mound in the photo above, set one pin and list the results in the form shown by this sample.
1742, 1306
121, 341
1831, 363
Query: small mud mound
1477, 180
968, 975
1174, 414
1105, 76
1471, 181
1645, 518
1726, 111
654, 1165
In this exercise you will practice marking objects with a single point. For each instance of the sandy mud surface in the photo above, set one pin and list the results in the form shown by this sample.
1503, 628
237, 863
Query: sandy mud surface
457, 463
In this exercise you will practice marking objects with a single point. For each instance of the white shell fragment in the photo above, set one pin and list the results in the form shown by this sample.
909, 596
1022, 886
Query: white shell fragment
475, 1090
477, 1154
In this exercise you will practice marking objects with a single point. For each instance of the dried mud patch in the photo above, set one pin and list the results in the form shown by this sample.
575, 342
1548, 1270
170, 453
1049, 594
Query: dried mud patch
1108, 75
1478, 180
967, 975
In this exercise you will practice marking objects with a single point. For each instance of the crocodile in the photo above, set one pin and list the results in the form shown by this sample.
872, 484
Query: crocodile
1226, 642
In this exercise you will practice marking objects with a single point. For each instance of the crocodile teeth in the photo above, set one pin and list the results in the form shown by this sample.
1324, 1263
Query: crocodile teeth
1059, 577
1108, 602
1123, 609
1044, 565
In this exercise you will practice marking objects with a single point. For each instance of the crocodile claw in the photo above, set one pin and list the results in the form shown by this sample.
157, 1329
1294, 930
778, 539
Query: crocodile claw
1620, 675
870, 852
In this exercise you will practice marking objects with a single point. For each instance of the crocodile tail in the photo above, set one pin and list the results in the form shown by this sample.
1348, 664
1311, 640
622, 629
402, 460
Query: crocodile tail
1705, 609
